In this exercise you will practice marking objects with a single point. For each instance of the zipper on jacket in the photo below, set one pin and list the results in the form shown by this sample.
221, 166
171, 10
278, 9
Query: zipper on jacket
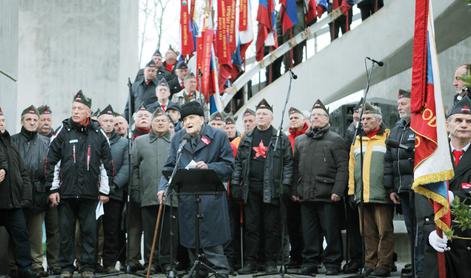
73, 153
398, 166
88, 157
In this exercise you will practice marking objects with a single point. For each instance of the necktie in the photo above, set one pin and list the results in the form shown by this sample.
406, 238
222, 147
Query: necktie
457, 154
181, 85
163, 107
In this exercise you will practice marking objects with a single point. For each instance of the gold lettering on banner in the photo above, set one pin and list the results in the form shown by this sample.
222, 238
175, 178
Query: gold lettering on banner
427, 115
417, 141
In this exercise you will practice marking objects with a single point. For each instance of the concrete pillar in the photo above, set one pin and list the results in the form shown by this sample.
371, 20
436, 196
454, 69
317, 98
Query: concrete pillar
59, 47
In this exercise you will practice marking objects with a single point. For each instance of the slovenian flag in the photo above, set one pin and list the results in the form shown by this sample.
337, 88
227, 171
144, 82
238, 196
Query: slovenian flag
432, 169
288, 14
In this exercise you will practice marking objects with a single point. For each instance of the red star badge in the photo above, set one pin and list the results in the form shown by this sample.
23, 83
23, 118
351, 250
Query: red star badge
260, 151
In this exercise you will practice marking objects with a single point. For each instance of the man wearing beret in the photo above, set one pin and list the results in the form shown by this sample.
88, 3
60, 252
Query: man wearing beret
33, 149
209, 148
51, 218
376, 207
319, 189
216, 120
457, 250
79, 182
263, 172
177, 84
112, 244
161, 72
15, 194
142, 91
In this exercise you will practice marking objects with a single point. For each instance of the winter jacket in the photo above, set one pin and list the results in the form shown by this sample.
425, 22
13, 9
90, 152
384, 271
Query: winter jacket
374, 149
149, 155
82, 151
398, 162
278, 169
320, 165
141, 94
15, 189
33, 148
120, 155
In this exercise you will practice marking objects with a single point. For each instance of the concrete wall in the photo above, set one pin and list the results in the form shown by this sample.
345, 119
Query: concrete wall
64, 46
8, 58
448, 61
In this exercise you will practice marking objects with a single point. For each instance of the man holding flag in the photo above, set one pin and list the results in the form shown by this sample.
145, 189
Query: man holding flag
431, 171
458, 257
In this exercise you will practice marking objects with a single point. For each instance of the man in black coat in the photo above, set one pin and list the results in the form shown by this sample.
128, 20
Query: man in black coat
78, 182
142, 91
161, 72
207, 148
33, 151
15, 194
260, 177
319, 188
177, 84
112, 245
399, 172
458, 250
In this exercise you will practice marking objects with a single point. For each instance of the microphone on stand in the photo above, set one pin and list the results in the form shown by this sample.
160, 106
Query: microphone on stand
379, 63
185, 139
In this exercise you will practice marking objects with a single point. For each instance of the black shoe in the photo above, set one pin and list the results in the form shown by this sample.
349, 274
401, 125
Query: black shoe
26, 273
407, 269
248, 268
332, 271
308, 269
380, 272
367, 271
99, 268
351, 267
271, 268
130, 269
294, 263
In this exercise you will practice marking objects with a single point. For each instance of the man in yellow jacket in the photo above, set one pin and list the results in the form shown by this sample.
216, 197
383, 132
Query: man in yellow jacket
377, 210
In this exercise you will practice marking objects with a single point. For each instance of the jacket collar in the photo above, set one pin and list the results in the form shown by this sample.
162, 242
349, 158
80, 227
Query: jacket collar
153, 136
316, 133
206, 132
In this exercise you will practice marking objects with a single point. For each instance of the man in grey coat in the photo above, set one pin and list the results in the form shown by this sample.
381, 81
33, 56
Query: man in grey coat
207, 148
113, 245
150, 153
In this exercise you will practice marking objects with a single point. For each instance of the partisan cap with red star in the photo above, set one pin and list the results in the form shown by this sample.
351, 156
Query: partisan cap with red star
163, 83
44, 109
30, 110
403, 93
319, 105
461, 107
230, 120
143, 108
293, 110
216, 116
249, 112
263, 104
107, 111
157, 53
81, 98
151, 64
371, 109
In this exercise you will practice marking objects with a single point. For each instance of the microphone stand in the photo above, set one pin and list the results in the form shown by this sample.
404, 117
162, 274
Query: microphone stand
358, 131
169, 192
283, 269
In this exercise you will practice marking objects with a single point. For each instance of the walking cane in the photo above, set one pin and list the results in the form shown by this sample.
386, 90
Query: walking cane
241, 225
154, 239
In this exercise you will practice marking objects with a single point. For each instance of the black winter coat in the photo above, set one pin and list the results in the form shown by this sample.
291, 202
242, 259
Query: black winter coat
81, 151
120, 155
398, 162
141, 94
278, 169
15, 189
33, 148
320, 165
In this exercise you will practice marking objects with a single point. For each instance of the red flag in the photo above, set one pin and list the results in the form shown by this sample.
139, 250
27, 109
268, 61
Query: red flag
431, 170
311, 13
186, 34
243, 15
205, 62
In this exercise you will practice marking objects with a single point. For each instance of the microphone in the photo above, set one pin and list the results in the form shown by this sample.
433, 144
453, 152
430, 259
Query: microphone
379, 63
395, 144
185, 139
293, 75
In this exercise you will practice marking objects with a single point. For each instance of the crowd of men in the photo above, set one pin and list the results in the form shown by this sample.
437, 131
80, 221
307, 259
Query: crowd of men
100, 189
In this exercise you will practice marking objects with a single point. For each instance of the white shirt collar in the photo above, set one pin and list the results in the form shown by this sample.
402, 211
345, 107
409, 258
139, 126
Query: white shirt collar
465, 148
